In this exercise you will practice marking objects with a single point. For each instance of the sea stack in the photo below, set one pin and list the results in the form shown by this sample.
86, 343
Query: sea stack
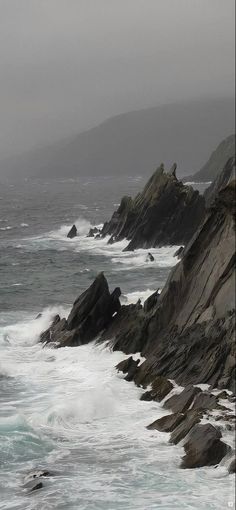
165, 213
72, 233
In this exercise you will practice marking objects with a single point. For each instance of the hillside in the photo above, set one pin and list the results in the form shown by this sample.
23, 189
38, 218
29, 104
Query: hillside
217, 160
134, 142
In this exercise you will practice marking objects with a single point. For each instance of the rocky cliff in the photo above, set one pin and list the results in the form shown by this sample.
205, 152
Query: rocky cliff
188, 334
165, 213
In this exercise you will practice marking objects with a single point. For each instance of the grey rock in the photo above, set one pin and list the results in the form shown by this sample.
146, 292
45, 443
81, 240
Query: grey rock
204, 447
205, 400
191, 418
181, 402
72, 233
166, 212
167, 423
160, 389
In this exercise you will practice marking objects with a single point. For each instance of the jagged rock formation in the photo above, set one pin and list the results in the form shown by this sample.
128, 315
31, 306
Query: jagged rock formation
218, 159
188, 334
72, 232
222, 179
91, 313
165, 213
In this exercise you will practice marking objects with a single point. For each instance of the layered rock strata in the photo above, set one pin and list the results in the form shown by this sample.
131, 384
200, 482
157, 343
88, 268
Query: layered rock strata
165, 213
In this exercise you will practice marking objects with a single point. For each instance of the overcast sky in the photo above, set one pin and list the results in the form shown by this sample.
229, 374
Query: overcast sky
66, 65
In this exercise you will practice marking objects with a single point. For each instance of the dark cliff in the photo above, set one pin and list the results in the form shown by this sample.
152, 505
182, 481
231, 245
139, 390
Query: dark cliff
166, 212
186, 333
189, 334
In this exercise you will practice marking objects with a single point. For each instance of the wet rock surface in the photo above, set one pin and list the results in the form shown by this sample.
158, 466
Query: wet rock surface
167, 423
160, 389
72, 232
165, 213
204, 447
191, 418
181, 402
91, 313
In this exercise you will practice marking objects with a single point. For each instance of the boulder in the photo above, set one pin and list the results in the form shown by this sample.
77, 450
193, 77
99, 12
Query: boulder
167, 423
160, 388
181, 402
72, 233
191, 418
205, 400
204, 447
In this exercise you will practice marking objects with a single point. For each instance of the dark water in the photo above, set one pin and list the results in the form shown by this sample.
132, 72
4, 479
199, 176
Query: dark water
67, 410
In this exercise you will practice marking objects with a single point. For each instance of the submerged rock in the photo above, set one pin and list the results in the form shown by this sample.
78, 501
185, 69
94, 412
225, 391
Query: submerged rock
38, 485
165, 213
72, 233
94, 231
149, 258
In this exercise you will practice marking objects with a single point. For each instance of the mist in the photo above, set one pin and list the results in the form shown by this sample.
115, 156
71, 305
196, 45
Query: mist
66, 65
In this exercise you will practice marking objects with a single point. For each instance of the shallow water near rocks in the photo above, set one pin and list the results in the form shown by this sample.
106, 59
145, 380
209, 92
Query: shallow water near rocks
67, 410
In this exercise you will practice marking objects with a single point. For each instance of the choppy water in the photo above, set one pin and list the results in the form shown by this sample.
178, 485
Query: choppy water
68, 410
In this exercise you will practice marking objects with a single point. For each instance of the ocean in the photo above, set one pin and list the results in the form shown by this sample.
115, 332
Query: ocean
67, 410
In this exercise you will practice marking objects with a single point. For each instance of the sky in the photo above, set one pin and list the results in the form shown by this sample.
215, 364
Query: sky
66, 65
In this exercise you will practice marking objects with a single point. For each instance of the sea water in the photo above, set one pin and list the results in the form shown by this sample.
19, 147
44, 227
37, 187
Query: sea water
67, 410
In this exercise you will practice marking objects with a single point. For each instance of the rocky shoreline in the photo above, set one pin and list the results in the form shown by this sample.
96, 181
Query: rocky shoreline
186, 334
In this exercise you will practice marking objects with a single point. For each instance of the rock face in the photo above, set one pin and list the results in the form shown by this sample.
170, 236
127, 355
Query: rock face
218, 159
91, 313
72, 233
222, 179
188, 335
165, 213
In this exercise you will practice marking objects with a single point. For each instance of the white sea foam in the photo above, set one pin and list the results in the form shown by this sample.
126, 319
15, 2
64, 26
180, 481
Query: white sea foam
6, 228
191, 183
75, 415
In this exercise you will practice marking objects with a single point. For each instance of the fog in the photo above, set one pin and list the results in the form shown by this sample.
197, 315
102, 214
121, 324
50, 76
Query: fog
66, 65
